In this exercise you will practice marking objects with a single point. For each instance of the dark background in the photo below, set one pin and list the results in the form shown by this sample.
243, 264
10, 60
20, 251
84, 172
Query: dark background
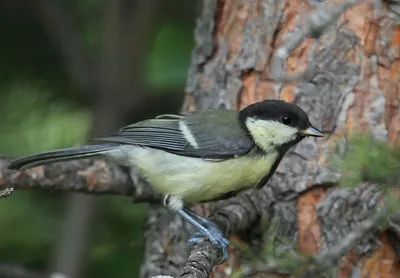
70, 70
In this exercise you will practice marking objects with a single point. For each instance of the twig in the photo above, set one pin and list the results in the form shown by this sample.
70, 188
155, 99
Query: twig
316, 24
201, 261
6, 192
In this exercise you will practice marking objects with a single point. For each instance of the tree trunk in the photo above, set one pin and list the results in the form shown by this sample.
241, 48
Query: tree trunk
341, 64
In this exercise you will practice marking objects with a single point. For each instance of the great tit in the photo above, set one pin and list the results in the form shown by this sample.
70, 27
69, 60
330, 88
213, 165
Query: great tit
199, 156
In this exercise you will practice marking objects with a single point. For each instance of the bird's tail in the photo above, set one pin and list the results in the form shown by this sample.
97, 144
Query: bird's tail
60, 155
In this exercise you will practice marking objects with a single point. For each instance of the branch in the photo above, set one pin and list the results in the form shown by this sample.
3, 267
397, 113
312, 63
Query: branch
6, 192
95, 176
236, 215
315, 25
201, 261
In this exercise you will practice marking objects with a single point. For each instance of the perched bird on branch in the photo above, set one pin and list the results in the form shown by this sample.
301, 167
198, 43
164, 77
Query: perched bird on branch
199, 156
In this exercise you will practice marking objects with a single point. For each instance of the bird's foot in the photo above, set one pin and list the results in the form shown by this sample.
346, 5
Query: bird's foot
206, 230
216, 238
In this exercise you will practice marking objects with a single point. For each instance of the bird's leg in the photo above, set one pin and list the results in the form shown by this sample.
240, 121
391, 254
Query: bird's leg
205, 227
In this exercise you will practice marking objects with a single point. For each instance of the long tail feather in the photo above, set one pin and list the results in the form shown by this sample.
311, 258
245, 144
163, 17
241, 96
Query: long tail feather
60, 155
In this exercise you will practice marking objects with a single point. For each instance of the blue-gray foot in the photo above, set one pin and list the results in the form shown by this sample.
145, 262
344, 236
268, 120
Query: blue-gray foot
206, 230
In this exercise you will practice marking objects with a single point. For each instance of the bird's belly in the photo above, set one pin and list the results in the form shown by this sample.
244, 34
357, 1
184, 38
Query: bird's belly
195, 179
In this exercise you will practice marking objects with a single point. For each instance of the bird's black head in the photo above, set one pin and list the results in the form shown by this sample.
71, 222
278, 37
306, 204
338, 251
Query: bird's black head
275, 123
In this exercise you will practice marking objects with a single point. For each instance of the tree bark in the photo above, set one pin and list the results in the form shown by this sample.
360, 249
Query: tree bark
341, 63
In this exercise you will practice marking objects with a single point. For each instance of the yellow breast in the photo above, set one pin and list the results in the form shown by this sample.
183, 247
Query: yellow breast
197, 180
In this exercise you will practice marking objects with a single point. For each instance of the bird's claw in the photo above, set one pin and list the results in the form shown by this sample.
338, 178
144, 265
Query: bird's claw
206, 230
216, 237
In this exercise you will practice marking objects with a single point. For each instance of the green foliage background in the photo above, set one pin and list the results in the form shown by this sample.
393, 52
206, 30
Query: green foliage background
41, 110
363, 158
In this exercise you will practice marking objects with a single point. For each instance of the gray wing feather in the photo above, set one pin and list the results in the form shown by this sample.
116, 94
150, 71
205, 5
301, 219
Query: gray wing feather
223, 138
156, 133
228, 139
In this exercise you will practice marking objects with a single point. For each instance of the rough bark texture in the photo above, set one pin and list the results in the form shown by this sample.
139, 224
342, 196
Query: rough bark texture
346, 78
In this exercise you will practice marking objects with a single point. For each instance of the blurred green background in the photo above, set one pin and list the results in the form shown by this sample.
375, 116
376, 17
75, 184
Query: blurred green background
70, 70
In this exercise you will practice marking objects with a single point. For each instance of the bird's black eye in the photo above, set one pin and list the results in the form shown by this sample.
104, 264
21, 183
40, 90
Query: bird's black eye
286, 120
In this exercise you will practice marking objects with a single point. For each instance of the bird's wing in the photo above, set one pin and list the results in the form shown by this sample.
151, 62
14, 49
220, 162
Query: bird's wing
209, 134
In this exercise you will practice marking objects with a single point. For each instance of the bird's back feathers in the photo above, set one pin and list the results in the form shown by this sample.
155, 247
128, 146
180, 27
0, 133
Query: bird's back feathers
189, 134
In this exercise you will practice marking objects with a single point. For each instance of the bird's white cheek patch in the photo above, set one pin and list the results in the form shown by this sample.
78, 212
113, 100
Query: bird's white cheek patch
269, 134
188, 135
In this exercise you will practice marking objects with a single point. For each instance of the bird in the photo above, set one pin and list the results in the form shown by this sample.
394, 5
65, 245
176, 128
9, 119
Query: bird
198, 156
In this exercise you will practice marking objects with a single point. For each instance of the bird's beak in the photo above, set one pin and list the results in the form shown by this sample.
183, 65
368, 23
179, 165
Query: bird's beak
311, 131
